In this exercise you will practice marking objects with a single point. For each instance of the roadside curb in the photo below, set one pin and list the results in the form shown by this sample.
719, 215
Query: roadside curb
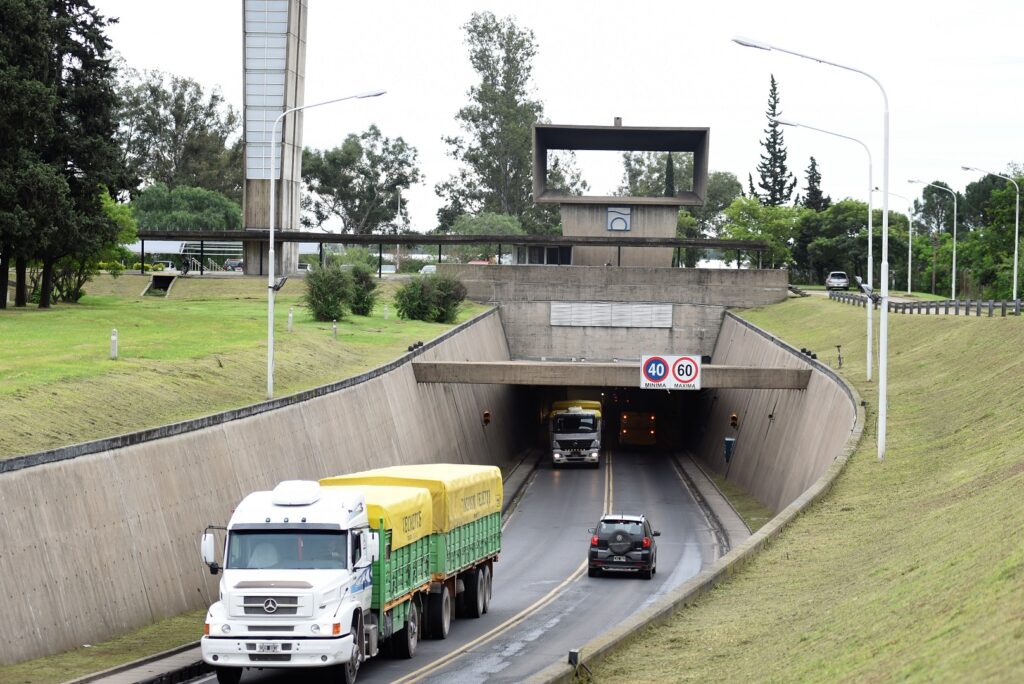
725, 543
677, 600
164, 678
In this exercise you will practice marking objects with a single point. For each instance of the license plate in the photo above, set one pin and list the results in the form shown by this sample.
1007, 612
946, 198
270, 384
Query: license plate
619, 559
268, 648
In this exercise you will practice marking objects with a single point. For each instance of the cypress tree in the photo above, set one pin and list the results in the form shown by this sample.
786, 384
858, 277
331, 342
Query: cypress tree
814, 199
776, 182
670, 177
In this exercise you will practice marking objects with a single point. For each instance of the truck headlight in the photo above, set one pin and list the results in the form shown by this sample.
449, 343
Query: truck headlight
315, 629
225, 629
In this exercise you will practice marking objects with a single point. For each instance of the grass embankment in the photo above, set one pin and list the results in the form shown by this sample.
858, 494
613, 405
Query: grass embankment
911, 569
200, 351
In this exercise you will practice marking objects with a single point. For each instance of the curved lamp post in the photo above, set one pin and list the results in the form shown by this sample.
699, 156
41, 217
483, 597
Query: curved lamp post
871, 261
1016, 224
272, 285
933, 185
883, 332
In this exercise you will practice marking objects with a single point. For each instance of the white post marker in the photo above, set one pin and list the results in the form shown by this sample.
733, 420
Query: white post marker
113, 344
667, 371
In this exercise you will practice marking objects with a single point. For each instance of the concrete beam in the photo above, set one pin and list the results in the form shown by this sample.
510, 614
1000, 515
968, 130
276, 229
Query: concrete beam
598, 374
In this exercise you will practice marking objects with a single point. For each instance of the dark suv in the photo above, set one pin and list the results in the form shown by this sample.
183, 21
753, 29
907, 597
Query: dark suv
623, 542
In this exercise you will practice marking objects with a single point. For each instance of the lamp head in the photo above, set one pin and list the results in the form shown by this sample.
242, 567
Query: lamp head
913, 180
750, 42
968, 168
371, 93
784, 122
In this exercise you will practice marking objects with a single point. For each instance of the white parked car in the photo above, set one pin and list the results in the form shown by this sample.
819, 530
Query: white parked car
428, 269
837, 280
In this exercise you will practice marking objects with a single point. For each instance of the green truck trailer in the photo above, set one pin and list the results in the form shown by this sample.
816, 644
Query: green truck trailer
320, 574
465, 538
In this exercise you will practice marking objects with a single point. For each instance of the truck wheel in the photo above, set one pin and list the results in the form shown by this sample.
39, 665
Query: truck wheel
488, 581
350, 669
229, 675
473, 599
408, 638
439, 614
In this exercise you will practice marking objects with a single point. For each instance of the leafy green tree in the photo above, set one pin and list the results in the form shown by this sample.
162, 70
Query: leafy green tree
496, 149
434, 298
78, 144
645, 174
172, 131
776, 182
159, 207
723, 189
813, 198
482, 224
748, 219
358, 183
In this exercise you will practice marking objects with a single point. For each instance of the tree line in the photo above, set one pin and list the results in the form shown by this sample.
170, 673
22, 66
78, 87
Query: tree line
92, 149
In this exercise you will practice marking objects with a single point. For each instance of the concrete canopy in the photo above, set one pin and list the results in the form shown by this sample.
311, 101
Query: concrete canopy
620, 138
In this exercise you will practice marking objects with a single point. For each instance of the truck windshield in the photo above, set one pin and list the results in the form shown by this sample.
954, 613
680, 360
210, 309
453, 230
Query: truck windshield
287, 550
565, 425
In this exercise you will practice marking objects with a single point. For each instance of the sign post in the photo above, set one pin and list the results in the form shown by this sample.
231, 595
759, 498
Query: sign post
670, 372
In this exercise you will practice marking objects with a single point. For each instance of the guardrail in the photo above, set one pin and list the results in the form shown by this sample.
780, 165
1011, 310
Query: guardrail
969, 307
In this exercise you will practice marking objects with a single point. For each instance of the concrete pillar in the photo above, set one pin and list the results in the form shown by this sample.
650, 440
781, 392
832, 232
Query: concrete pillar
274, 76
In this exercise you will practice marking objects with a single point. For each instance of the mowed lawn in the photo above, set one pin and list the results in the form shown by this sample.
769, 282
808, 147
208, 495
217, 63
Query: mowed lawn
200, 351
911, 569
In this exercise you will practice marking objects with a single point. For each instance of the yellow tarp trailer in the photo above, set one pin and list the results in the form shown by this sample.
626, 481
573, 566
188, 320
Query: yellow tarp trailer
461, 493
408, 512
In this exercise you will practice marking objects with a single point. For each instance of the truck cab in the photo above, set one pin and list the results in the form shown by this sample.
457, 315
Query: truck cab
295, 584
575, 429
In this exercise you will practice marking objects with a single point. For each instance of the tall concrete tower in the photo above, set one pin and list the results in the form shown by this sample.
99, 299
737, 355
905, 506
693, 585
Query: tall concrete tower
274, 73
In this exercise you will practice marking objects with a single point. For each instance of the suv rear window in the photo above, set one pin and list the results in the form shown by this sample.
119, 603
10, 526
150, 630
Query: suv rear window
836, 274
633, 527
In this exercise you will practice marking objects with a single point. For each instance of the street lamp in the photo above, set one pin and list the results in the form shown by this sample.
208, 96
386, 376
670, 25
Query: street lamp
933, 185
1016, 224
871, 261
883, 332
272, 284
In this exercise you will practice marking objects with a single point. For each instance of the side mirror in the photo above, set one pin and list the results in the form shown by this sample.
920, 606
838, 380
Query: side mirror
207, 551
591, 530
373, 544
656, 533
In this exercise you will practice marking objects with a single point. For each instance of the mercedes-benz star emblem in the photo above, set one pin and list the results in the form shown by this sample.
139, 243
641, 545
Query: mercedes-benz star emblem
270, 606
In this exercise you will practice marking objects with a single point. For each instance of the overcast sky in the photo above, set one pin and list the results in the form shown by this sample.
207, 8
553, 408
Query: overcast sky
953, 71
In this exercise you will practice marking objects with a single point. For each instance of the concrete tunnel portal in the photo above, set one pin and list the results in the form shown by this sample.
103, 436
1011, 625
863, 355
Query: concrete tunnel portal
674, 419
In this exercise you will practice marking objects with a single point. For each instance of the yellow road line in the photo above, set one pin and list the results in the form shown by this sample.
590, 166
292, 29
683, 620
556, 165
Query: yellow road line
519, 617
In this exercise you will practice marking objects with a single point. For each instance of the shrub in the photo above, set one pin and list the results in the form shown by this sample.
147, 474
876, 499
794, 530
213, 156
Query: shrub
410, 266
364, 290
329, 293
434, 298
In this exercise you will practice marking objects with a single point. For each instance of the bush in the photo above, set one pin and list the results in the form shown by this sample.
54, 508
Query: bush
329, 293
364, 286
353, 256
450, 295
410, 265
434, 298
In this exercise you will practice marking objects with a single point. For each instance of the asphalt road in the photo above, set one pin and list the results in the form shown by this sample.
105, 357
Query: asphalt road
544, 604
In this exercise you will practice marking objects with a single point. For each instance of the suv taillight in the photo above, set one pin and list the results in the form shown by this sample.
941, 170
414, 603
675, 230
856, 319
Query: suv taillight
647, 542
593, 540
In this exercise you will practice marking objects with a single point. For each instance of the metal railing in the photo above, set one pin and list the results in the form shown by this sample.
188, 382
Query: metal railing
955, 307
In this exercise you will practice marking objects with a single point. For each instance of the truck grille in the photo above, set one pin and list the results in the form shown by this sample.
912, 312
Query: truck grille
270, 658
575, 444
270, 605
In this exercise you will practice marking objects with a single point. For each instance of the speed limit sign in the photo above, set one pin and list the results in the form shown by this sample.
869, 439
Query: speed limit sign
667, 371
686, 372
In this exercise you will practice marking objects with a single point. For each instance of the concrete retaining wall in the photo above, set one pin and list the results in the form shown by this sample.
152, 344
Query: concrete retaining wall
95, 543
716, 287
786, 439
530, 335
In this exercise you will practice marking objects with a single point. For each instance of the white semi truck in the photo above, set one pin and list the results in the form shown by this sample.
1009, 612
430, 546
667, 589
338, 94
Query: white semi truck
575, 429
321, 574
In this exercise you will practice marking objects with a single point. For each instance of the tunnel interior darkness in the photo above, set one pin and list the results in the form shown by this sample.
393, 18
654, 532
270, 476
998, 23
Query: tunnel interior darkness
627, 412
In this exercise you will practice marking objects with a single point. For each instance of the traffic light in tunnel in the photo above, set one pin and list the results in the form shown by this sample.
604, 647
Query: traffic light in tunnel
734, 421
